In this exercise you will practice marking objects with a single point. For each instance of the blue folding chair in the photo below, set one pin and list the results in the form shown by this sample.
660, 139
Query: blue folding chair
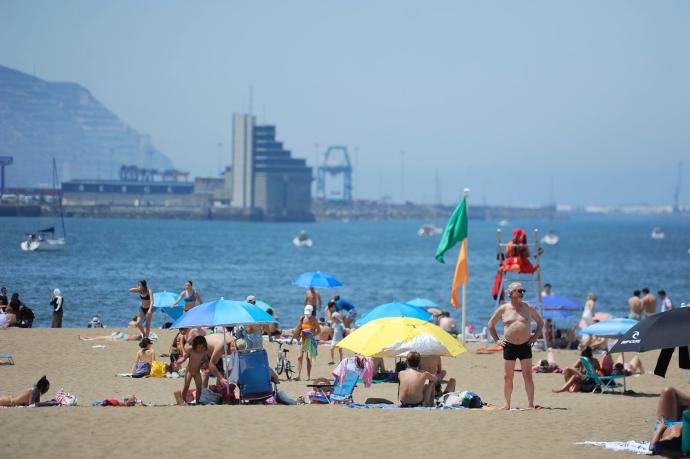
603, 383
254, 377
341, 391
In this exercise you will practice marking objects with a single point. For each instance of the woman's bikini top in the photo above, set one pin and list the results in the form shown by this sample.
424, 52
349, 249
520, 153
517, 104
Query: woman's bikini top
307, 328
145, 297
191, 297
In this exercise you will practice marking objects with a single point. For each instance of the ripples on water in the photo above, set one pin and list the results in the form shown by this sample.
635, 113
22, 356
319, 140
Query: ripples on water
377, 262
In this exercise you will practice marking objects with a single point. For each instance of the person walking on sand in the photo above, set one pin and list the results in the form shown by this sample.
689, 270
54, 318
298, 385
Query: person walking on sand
57, 301
146, 309
517, 317
306, 330
588, 311
665, 301
189, 295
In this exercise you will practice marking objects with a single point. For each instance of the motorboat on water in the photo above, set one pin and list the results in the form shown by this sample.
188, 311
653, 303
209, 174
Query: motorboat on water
550, 238
302, 240
45, 239
429, 230
658, 233
503, 223
42, 240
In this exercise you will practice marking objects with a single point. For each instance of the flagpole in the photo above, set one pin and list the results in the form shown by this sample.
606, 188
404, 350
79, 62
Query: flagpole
464, 286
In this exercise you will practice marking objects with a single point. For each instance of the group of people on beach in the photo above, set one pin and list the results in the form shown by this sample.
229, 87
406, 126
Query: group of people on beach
13, 311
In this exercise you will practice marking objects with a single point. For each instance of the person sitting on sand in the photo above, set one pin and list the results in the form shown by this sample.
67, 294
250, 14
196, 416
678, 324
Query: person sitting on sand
27, 397
177, 354
416, 385
669, 427
634, 367
134, 322
307, 328
433, 365
326, 333
574, 376
199, 354
215, 343
447, 323
144, 360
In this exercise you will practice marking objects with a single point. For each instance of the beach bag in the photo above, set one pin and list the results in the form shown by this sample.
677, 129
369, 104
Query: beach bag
157, 370
65, 398
464, 399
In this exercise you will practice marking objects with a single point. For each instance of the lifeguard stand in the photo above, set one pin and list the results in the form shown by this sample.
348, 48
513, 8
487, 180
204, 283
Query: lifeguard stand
524, 278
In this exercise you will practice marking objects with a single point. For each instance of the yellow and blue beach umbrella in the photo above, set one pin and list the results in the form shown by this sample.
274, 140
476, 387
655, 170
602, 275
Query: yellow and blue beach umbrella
395, 310
396, 336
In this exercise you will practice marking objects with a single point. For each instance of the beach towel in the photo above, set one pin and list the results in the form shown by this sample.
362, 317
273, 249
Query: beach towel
353, 364
386, 406
637, 447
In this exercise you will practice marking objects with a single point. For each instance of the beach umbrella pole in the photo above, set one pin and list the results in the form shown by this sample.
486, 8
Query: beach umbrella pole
225, 363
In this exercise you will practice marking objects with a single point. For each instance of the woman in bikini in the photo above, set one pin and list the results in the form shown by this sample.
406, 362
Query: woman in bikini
307, 329
27, 397
189, 295
668, 429
114, 336
144, 360
145, 311
574, 376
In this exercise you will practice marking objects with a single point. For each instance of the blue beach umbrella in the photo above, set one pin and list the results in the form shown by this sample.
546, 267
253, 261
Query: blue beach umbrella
558, 313
556, 302
317, 280
265, 306
422, 303
164, 298
395, 310
223, 312
613, 328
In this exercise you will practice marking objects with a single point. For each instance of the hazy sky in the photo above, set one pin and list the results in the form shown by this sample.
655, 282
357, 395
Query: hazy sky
495, 96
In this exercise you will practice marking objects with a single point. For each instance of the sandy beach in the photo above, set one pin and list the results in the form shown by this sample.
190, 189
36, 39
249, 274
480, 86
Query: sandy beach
89, 373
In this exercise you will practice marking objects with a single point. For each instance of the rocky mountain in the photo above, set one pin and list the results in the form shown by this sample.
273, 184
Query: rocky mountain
40, 120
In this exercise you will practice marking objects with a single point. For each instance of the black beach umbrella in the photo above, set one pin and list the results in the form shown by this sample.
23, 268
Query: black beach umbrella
666, 330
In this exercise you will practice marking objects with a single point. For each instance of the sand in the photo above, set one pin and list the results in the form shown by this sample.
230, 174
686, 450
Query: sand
299, 431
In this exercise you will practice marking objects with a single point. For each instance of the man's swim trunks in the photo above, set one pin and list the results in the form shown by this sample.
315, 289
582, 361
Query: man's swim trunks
517, 351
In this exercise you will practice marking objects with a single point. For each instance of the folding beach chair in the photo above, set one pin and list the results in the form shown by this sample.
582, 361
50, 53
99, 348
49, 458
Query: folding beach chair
341, 391
254, 379
6, 359
603, 383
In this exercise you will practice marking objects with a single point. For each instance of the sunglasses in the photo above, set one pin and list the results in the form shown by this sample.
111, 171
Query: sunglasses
520, 291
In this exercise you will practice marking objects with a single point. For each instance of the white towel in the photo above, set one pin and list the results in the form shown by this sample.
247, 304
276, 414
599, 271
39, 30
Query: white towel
637, 447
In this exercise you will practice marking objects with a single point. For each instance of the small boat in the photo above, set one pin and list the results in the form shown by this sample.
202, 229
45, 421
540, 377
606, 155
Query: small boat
45, 239
658, 233
429, 230
550, 238
42, 240
302, 240
503, 223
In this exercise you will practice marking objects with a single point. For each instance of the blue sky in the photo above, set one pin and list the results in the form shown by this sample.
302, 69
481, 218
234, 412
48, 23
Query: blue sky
495, 96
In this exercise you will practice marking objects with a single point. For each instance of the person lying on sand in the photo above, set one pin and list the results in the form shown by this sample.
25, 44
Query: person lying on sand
574, 376
634, 367
669, 428
547, 365
114, 336
27, 397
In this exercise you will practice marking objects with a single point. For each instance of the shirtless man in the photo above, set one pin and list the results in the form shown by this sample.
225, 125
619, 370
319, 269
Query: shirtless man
313, 297
648, 302
433, 365
199, 353
635, 305
215, 352
516, 316
447, 323
416, 385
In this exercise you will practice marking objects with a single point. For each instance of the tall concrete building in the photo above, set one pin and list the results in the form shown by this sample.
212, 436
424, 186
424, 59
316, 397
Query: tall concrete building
265, 176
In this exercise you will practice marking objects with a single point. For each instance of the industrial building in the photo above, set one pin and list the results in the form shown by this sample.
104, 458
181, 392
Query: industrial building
265, 177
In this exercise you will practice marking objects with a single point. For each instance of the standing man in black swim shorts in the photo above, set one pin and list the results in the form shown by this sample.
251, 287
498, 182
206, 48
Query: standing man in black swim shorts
517, 341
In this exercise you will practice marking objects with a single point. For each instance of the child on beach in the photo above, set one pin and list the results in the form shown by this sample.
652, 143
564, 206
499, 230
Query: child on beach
338, 335
27, 397
198, 355
144, 360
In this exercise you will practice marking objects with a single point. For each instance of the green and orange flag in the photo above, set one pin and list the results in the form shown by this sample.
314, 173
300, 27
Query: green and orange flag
456, 231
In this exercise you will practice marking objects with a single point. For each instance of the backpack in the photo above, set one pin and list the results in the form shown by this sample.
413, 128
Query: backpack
464, 399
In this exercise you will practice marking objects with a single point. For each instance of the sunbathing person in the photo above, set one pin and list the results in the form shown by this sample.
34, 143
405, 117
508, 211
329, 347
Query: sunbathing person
574, 376
547, 365
416, 385
114, 336
27, 397
669, 428
144, 360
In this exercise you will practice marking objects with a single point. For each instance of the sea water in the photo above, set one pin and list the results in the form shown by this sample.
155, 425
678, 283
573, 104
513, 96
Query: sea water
377, 261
